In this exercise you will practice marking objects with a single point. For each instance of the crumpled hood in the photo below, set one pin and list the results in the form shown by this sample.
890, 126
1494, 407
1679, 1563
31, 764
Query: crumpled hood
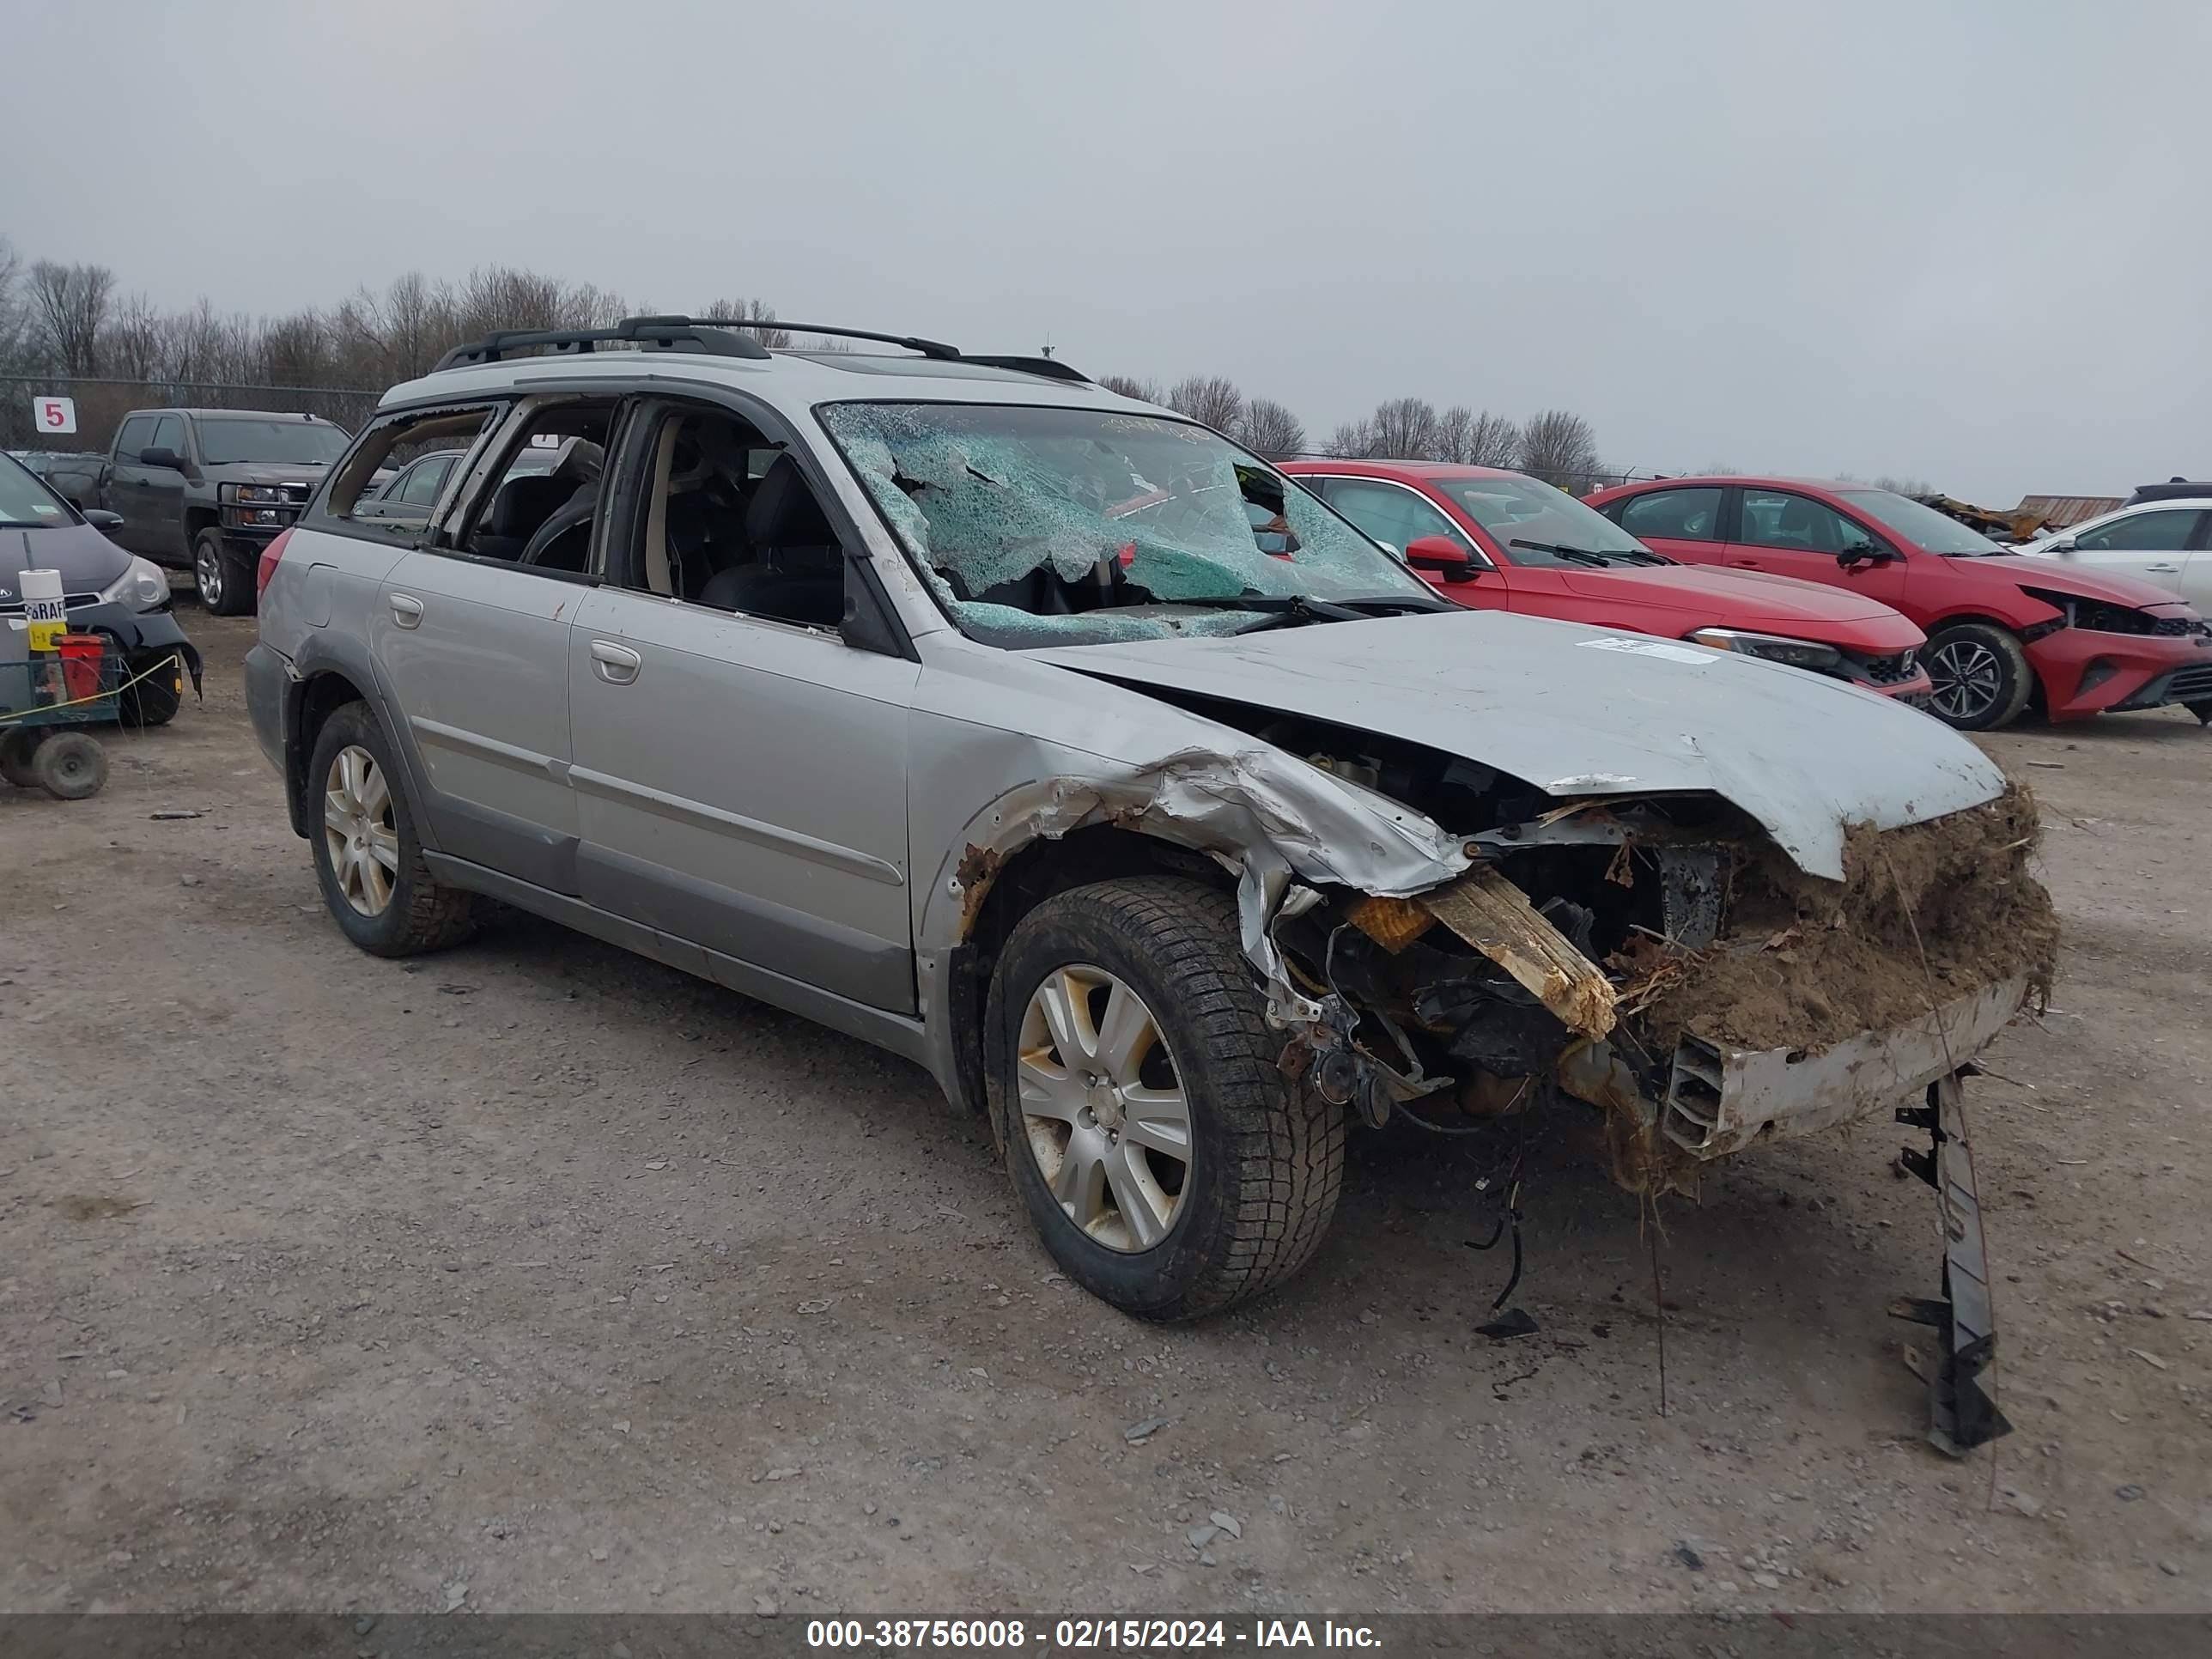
1580, 711
87, 561
2057, 576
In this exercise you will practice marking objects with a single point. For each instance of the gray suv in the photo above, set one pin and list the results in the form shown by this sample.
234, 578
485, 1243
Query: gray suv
1061, 746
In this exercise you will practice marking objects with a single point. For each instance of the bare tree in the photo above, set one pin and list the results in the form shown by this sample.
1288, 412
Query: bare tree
15, 313
1127, 386
1559, 448
1269, 429
749, 311
1405, 429
70, 308
1476, 438
1210, 400
1898, 486
133, 345
1353, 441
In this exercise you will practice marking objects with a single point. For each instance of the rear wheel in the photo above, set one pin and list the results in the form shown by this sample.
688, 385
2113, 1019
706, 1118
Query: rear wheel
70, 766
1169, 1166
224, 579
1980, 676
369, 859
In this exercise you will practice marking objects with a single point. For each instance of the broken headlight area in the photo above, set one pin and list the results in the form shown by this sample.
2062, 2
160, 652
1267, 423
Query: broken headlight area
1664, 961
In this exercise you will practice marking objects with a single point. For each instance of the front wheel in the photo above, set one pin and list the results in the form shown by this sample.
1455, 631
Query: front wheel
1169, 1166
224, 580
2202, 710
154, 700
1980, 676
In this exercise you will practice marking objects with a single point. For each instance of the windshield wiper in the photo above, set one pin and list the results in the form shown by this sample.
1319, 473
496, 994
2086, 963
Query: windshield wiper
1585, 555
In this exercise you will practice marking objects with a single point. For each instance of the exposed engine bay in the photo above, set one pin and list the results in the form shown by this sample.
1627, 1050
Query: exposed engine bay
1659, 958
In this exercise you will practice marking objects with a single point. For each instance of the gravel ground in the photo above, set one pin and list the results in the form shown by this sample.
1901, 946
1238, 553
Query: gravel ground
534, 1276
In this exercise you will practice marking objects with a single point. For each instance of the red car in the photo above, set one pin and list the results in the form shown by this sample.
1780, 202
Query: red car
2002, 631
1502, 541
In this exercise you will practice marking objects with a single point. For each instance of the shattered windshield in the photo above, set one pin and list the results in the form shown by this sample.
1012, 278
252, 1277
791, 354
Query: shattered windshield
1057, 526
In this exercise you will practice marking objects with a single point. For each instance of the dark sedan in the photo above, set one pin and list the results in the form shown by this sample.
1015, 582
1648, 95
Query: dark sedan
105, 590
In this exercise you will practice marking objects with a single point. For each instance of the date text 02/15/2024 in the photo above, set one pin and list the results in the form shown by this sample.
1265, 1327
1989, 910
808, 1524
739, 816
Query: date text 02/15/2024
1079, 1635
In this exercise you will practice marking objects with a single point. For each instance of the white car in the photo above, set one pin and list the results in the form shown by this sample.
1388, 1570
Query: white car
2166, 542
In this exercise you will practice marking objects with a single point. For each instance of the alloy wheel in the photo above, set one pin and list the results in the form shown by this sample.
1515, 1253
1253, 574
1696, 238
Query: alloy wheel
1103, 1109
1968, 678
207, 571
358, 832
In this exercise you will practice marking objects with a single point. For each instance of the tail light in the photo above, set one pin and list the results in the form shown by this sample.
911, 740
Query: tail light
267, 568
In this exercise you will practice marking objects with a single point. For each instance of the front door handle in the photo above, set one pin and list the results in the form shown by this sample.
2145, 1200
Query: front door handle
617, 665
2163, 569
406, 609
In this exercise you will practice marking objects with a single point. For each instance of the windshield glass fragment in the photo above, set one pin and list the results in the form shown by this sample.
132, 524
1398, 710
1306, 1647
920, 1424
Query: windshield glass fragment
1042, 525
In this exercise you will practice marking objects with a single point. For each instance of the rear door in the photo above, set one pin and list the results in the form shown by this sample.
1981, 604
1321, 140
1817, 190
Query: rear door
1785, 533
475, 648
2154, 545
1683, 524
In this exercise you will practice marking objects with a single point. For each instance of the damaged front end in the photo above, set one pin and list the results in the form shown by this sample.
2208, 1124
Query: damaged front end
1663, 961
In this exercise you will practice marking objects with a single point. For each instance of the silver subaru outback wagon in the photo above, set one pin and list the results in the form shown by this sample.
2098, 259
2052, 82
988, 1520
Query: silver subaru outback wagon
1058, 743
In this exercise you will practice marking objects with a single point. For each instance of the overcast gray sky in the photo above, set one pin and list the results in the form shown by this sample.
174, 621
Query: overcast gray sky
1966, 242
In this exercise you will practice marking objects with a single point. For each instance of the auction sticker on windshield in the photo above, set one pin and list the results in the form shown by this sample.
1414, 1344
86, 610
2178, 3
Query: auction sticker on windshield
1652, 649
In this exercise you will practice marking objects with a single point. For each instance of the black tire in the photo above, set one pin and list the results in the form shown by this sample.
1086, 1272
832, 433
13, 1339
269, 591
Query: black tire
222, 579
1266, 1153
2202, 710
154, 700
70, 766
421, 913
18, 743
1982, 679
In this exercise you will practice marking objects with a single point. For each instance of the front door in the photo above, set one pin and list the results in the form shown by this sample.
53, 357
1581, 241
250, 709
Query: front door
1787, 534
1397, 515
2152, 546
740, 769
126, 489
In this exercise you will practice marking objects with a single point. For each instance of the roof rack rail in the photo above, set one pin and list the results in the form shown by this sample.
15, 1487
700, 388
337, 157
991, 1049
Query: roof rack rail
1051, 368
709, 335
936, 348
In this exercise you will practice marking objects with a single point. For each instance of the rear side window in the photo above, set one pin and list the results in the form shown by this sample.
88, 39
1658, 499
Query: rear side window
388, 445
1682, 515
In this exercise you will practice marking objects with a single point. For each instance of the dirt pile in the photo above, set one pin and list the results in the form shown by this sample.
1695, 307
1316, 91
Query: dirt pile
1806, 963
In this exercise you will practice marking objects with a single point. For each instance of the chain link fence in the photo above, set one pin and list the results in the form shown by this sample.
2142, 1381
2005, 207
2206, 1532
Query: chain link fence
102, 402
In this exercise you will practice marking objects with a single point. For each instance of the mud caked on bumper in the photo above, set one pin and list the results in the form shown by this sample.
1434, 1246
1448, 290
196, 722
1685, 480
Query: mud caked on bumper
1720, 1100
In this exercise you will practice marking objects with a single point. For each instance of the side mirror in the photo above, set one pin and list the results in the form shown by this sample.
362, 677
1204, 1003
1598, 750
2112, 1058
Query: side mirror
102, 520
1863, 553
1444, 555
167, 458
2063, 547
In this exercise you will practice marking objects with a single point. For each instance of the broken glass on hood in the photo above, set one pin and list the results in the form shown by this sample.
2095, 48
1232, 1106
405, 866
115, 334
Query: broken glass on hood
1042, 525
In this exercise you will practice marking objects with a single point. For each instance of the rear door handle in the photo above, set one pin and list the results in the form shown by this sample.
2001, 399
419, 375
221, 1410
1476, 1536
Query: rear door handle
406, 609
617, 665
